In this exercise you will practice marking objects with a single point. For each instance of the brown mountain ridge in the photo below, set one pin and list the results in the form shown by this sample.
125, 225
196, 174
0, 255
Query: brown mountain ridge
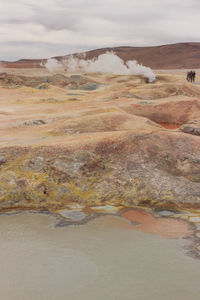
171, 56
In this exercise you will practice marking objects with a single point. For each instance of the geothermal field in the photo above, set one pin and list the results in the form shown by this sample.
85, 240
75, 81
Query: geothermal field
117, 153
98, 139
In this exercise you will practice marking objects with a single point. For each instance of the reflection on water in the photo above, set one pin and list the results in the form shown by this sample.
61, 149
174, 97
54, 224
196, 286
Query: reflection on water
105, 259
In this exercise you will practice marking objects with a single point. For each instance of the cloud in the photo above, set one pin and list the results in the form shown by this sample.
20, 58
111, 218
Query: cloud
70, 26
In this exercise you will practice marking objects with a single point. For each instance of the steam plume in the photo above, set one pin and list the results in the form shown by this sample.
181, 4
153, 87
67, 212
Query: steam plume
105, 63
53, 65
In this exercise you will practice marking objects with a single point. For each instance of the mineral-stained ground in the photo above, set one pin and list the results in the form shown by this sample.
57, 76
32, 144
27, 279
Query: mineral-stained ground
98, 139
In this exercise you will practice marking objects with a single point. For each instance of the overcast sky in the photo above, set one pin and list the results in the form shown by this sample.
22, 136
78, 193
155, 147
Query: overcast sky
44, 28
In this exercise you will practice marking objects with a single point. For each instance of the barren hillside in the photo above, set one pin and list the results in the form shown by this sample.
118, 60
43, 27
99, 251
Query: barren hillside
98, 139
174, 56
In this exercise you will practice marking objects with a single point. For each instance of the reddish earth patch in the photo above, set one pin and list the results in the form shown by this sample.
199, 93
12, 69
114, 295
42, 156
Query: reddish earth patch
166, 227
169, 126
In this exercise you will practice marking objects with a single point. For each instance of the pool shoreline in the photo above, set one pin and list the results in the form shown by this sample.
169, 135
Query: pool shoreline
192, 234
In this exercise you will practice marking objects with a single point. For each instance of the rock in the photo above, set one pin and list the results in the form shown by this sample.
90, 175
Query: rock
3, 160
192, 128
34, 122
58, 80
194, 219
67, 167
73, 215
77, 78
36, 163
89, 86
107, 209
42, 87
165, 213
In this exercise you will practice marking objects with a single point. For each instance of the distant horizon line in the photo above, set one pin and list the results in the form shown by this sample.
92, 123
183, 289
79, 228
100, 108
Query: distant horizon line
94, 49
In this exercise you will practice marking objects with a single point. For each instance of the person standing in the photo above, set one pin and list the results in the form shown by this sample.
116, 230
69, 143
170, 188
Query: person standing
193, 76
188, 76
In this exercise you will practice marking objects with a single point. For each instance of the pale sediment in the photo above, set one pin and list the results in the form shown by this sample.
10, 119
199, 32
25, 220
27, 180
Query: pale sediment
98, 260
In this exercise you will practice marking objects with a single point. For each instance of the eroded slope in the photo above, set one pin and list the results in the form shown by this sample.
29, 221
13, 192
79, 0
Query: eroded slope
98, 140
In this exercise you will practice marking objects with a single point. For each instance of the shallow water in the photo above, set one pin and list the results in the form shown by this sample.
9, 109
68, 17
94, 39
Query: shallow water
105, 259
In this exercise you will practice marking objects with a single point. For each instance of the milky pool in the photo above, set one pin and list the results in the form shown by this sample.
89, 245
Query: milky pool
103, 260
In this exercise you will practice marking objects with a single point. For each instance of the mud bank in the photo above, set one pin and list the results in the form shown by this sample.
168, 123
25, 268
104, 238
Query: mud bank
147, 169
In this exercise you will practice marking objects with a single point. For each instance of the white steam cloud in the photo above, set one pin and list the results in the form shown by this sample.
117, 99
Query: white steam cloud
53, 65
105, 63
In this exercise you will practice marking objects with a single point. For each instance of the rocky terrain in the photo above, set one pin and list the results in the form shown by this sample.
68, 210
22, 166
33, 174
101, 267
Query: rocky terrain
98, 139
172, 56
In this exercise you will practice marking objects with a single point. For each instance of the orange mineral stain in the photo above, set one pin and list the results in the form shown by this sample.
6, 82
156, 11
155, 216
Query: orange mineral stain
169, 126
166, 227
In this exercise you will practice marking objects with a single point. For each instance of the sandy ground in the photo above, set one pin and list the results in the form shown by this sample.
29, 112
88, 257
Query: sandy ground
67, 114
98, 139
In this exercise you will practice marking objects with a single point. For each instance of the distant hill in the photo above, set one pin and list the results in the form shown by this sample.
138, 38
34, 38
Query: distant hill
173, 56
